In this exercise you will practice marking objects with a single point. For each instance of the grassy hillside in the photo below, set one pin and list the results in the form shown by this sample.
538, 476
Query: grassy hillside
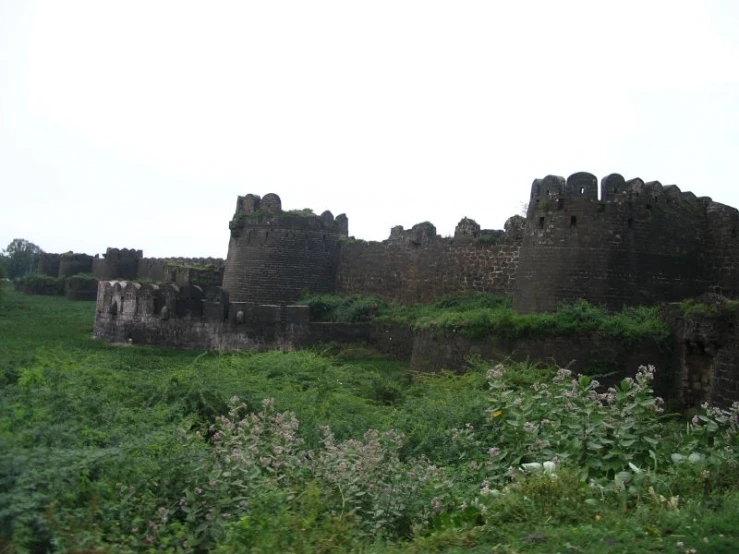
129, 449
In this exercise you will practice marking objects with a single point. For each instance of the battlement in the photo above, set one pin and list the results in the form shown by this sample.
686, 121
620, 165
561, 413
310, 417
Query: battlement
122, 253
199, 263
255, 212
639, 243
135, 301
73, 264
553, 192
117, 263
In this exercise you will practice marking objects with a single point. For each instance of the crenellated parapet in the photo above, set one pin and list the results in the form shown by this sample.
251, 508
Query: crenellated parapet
554, 192
639, 243
150, 300
254, 213
117, 263
193, 317
74, 264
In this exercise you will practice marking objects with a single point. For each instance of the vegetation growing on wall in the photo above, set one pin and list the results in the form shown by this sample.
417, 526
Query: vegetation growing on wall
479, 315
133, 449
702, 308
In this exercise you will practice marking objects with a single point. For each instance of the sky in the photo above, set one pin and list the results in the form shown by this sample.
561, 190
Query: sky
137, 124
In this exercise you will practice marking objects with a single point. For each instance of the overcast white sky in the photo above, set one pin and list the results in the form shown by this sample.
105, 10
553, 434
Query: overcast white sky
137, 124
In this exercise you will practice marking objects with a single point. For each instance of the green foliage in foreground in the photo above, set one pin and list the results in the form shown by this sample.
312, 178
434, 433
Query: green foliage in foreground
132, 449
479, 315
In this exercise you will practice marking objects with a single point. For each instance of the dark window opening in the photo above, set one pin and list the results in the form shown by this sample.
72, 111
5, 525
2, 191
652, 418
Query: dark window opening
573, 221
541, 223
733, 233
560, 203
649, 207
601, 207
631, 223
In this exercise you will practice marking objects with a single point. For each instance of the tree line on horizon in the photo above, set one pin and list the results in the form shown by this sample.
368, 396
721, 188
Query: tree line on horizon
19, 258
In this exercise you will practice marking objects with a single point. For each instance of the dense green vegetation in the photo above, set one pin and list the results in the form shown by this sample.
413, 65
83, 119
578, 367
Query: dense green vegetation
20, 257
36, 283
721, 308
478, 315
41, 284
125, 448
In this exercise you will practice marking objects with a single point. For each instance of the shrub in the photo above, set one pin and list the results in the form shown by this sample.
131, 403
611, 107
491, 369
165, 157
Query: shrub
34, 283
343, 309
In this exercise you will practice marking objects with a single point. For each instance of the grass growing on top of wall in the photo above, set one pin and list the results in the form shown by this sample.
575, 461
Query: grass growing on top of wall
107, 448
696, 308
478, 315
630, 325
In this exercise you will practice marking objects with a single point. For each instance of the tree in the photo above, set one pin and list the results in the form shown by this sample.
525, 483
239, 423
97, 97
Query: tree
21, 257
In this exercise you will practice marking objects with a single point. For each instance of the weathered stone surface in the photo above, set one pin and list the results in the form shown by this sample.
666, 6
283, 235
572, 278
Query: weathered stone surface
273, 255
641, 243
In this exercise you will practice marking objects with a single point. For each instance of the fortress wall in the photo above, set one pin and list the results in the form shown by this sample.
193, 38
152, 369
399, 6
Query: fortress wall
643, 244
417, 273
609, 358
48, 264
192, 317
707, 364
152, 269
181, 270
117, 263
722, 249
273, 256
74, 264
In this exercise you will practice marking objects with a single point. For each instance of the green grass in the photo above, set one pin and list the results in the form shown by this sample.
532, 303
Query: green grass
91, 447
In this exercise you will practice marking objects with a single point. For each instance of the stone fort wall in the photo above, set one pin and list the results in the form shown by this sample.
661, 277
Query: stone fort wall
273, 255
418, 266
639, 243
619, 244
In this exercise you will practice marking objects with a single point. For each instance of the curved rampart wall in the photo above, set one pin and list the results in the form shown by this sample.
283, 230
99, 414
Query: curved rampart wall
273, 255
643, 243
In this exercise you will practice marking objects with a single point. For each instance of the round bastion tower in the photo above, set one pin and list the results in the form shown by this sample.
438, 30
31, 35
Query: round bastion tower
274, 255
639, 243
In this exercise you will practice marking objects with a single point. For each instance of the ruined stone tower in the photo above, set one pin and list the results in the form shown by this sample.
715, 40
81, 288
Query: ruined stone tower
273, 255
